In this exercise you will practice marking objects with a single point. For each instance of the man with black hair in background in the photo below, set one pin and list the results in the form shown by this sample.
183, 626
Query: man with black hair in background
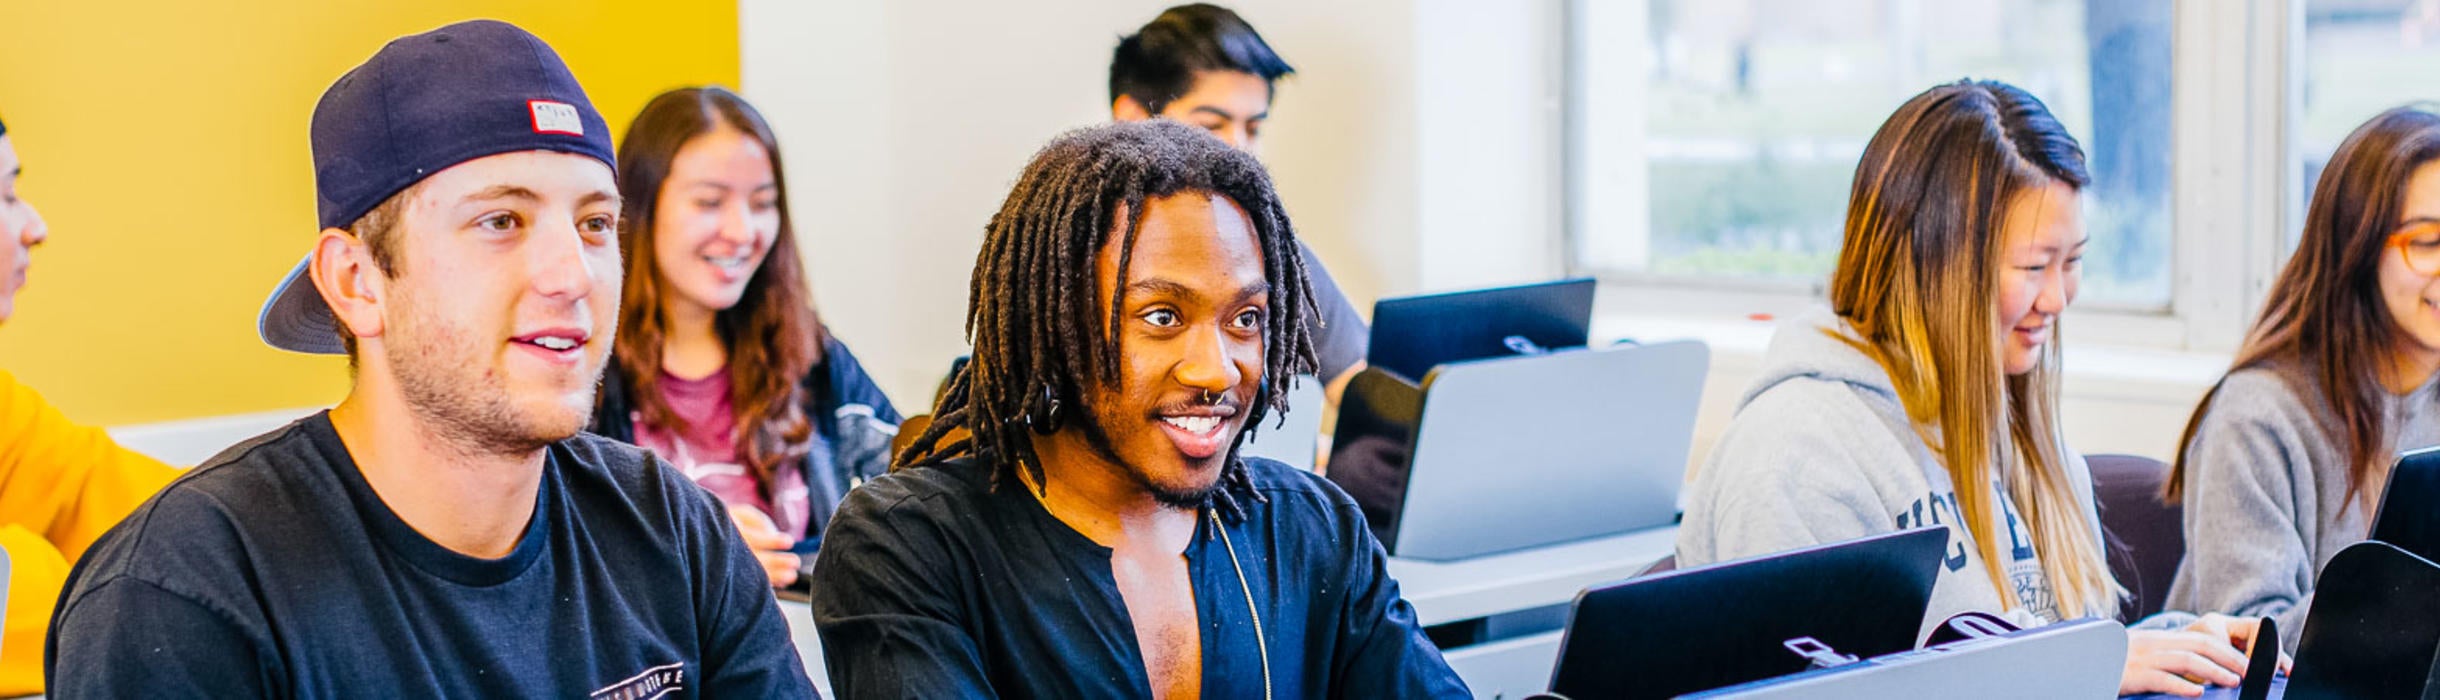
1203, 65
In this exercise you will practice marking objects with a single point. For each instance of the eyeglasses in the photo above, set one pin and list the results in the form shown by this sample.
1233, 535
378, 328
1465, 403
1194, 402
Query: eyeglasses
2418, 244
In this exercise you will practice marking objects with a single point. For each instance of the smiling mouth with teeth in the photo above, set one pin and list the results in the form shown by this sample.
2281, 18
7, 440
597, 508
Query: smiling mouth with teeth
552, 342
1194, 424
732, 262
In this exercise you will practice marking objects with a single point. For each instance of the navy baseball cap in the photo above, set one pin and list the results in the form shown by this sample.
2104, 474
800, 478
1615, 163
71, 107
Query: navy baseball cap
424, 103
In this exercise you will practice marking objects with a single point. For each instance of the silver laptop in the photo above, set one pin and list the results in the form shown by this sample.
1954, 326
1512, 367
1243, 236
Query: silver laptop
1515, 452
2077, 659
1296, 436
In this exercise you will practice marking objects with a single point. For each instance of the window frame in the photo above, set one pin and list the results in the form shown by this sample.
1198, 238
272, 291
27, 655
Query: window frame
2238, 57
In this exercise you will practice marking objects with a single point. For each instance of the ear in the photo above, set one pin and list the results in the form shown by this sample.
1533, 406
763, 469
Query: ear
1126, 109
354, 287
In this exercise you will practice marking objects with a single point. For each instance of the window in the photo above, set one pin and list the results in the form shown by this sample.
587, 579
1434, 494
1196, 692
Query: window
1712, 142
2360, 57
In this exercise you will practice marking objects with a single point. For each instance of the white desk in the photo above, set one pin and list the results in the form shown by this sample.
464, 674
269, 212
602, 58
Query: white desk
1525, 579
800, 629
1444, 592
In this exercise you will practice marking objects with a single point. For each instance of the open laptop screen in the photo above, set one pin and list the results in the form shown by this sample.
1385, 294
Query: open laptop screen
1714, 626
2409, 515
1411, 335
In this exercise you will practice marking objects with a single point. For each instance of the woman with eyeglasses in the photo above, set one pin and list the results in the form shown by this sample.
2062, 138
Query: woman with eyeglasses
2283, 463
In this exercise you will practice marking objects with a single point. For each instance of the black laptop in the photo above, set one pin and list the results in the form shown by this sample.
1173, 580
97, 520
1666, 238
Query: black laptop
1373, 446
2373, 626
1411, 335
2409, 515
1714, 626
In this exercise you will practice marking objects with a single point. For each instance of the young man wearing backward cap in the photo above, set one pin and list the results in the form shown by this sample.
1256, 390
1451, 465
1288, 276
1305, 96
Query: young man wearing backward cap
445, 531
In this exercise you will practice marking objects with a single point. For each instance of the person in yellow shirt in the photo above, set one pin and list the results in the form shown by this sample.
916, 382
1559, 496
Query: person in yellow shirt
61, 484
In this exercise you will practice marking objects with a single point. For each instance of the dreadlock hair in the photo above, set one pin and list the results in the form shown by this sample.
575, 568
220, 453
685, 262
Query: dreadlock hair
1032, 313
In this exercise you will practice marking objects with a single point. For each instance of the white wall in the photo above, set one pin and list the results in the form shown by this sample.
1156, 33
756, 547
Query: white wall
1415, 149
903, 125
1487, 77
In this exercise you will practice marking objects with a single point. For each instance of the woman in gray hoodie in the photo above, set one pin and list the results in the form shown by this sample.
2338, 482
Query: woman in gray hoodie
2282, 463
1928, 394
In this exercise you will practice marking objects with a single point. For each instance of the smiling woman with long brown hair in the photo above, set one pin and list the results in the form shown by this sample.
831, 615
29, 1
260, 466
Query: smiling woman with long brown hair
722, 366
2282, 462
1927, 394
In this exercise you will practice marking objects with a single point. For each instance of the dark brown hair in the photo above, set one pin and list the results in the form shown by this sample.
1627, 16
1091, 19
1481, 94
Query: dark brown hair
2325, 328
773, 335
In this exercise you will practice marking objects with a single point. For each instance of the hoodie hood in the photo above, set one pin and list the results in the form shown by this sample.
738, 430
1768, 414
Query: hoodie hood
1821, 450
1803, 348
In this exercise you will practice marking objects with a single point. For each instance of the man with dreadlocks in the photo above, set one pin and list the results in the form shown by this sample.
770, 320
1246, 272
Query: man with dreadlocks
1094, 533
1203, 65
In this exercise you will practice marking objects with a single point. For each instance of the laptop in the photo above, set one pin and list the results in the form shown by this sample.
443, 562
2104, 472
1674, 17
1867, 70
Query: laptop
1293, 437
1411, 335
2373, 626
1711, 627
2409, 514
2076, 659
1491, 456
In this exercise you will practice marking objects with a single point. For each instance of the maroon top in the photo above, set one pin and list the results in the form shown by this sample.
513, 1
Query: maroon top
708, 453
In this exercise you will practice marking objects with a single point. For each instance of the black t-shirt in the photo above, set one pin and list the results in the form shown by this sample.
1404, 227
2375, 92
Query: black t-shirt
1343, 339
273, 570
932, 584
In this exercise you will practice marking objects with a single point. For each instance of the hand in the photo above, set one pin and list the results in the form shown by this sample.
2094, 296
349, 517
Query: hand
2240, 632
769, 544
2183, 661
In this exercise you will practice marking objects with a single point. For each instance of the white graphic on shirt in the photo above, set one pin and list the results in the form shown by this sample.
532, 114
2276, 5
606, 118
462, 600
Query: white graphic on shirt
789, 501
697, 470
654, 682
684, 457
786, 501
2022, 568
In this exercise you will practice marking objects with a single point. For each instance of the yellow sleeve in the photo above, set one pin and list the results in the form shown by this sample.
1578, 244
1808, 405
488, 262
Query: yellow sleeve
36, 573
65, 481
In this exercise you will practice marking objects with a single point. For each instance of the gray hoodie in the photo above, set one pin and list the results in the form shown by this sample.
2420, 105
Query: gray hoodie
1821, 451
2265, 497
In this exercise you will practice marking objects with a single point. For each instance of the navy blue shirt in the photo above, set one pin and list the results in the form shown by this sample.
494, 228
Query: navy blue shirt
273, 570
932, 584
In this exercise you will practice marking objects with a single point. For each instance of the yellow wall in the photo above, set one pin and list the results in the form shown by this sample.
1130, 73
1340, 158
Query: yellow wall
166, 143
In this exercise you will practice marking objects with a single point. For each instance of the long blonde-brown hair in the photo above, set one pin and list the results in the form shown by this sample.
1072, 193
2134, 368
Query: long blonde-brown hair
2324, 326
1916, 281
